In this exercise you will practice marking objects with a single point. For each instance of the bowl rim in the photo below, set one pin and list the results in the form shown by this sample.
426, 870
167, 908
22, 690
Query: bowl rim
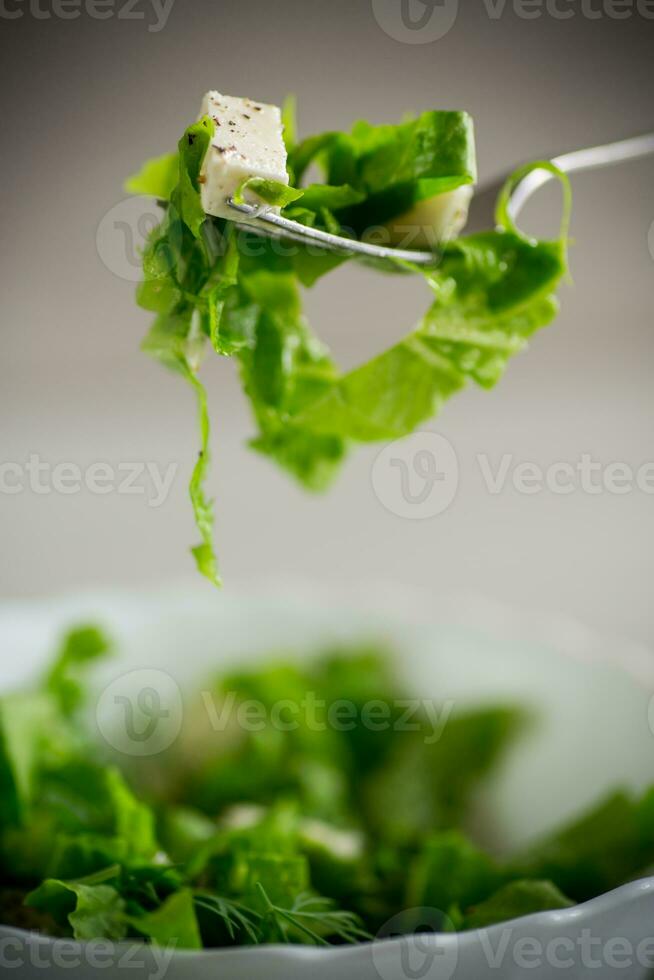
542, 922
564, 632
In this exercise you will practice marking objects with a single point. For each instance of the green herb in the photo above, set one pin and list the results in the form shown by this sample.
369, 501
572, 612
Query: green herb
242, 924
310, 919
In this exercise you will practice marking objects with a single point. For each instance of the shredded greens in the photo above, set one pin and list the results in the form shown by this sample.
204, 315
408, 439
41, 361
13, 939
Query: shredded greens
303, 821
211, 286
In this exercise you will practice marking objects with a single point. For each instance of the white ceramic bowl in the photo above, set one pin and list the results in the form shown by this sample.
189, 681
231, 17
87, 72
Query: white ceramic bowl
591, 699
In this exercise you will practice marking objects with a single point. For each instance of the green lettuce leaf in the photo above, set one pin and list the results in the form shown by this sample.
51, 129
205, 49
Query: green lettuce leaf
206, 280
156, 178
514, 900
393, 167
89, 907
173, 924
271, 191
424, 787
26, 722
36, 729
185, 198
451, 871
596, 852
65, 679
272, 832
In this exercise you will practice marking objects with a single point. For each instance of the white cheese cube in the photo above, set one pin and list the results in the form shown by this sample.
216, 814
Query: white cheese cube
434, 220
344, 845
247, 142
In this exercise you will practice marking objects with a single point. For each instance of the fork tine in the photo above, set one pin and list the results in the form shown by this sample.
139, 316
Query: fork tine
256, 215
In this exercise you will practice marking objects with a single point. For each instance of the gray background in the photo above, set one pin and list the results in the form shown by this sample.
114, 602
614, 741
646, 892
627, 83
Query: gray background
85, 100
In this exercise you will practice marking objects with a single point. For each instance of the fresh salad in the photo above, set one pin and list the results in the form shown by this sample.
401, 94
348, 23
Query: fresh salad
214, 286
283, 829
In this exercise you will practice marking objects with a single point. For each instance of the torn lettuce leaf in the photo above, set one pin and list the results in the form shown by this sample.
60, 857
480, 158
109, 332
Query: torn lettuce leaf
26, 722
91, 907
36, 726
172, 924
289, 829
156, 178
393, 167
452, 871
596, 852
65, 679
64, 813
212, 284
514, 900
271, 191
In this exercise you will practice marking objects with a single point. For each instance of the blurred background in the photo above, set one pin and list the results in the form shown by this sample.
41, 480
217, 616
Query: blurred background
91, 89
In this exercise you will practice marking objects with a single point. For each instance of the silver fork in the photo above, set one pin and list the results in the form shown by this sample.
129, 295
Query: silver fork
481, 217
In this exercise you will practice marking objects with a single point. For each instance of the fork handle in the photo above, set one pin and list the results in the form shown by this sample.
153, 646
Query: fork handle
482, 210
